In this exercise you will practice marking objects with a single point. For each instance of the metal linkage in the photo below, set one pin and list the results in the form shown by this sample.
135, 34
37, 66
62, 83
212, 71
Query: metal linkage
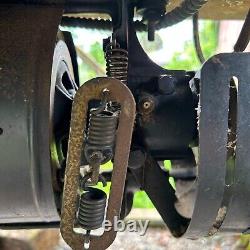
244, 36
92, 90
100, 24
196, 38
180, 13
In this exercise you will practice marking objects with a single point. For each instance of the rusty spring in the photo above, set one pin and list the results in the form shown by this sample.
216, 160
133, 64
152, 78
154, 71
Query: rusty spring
117, 62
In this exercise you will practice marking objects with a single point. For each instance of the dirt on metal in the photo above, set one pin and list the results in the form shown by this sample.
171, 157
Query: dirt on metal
93, 90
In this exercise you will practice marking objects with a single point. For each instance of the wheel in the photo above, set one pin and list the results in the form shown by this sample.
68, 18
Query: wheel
36, 93
63, 89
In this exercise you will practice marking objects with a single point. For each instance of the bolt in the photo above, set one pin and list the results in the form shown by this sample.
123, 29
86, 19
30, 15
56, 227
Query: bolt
166, 84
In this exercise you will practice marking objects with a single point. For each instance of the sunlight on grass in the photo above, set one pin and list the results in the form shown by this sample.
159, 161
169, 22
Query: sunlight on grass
168, 166
141, 199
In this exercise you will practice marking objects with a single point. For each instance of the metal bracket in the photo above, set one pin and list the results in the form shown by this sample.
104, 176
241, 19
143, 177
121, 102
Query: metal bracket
92, 90
222, 205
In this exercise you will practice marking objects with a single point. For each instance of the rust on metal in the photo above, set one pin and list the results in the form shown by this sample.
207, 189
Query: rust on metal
92, 90
219, 9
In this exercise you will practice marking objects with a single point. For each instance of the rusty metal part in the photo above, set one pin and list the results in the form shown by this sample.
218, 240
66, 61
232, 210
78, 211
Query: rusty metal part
214, 9
186, 9
244, 36
219, 9
92, 90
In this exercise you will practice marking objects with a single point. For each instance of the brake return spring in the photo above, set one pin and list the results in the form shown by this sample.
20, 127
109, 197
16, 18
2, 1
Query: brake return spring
117, 62
101, 134
92, 208
92, 205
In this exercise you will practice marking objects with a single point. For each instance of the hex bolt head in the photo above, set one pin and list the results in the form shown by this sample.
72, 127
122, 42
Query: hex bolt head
166, 84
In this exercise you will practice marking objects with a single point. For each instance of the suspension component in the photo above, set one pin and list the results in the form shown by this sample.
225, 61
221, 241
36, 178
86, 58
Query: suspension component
116, 62
89, 216
101, 134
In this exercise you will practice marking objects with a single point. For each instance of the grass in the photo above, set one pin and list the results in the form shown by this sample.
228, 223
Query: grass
245, 241
141, 199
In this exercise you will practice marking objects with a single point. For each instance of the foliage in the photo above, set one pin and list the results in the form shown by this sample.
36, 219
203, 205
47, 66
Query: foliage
96, 54
141, 200
187, 58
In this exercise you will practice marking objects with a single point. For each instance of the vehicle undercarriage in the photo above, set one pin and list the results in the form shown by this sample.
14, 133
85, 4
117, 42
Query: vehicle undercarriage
57, 132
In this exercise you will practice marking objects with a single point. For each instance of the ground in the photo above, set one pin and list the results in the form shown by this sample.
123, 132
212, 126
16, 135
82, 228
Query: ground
155, 239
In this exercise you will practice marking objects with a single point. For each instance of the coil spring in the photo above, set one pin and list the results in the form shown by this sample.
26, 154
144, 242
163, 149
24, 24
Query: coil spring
117, 63
102, 128
101, 133
91, 210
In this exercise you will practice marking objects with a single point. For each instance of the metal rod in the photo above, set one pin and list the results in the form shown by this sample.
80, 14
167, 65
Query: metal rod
244, 36
196, 38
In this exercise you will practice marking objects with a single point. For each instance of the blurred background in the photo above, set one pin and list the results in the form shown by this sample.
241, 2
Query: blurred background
173, 48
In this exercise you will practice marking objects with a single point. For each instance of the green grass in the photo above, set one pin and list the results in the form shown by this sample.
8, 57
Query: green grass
245, 242
167, 165
141, 199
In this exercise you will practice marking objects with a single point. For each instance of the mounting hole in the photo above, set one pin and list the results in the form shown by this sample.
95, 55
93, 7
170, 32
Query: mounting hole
1, 131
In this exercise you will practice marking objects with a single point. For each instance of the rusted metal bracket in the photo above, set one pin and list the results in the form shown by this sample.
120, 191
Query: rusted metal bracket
92, 89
